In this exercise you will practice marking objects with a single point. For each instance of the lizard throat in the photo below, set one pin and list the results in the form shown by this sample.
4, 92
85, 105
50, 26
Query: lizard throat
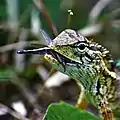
84, 74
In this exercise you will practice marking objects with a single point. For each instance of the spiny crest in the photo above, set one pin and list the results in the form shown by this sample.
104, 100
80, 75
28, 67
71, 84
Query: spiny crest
68, 37
106, 56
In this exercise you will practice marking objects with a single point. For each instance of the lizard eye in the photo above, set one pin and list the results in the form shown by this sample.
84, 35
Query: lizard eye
82, 47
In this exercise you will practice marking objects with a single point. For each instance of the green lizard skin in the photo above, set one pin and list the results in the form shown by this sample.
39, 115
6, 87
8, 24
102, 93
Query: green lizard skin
89, 64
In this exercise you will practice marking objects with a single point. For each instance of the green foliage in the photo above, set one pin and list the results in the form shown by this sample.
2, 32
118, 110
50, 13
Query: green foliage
6, 74
118, 63
63, 111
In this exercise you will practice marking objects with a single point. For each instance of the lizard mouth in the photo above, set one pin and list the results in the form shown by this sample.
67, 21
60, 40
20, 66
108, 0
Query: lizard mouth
42, 51
61, 58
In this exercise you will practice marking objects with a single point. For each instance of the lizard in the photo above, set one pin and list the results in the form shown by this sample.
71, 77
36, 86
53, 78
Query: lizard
90, 65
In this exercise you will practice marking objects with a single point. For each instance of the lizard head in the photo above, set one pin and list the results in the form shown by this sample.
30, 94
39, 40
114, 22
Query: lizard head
73, 54
72, 49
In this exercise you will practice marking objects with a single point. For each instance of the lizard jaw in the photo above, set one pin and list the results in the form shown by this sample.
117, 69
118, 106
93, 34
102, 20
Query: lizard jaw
57, 58
54, 58
50, 55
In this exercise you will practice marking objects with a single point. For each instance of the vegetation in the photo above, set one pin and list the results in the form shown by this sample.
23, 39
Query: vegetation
28, 80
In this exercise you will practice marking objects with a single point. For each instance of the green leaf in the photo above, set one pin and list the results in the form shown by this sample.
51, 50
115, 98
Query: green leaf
63, 111
6, 74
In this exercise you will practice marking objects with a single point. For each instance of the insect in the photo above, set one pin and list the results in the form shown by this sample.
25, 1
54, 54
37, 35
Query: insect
90, 65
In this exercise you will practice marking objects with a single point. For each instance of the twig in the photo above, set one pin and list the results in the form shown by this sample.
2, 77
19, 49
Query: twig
31, 98
20, 59
95, 12
53, 80
13, 46
115, 23
42, 9
91, 29
113, 14
23, 88
13, 113
95, 28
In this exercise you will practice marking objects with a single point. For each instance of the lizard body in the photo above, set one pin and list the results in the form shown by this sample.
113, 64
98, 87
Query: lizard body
89, 64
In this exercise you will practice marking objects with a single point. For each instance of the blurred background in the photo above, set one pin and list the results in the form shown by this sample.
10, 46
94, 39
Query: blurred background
28, 84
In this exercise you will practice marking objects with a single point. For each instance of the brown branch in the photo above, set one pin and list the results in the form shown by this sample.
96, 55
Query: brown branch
40, 6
